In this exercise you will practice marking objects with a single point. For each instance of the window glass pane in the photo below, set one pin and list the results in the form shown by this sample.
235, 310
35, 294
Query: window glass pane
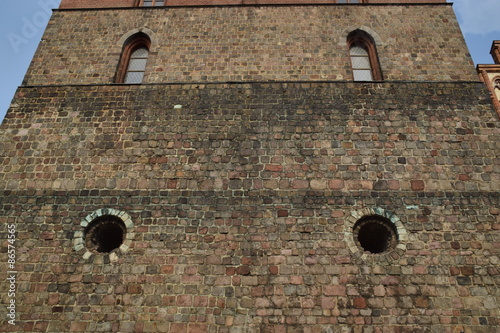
137, 64
360, 62
354, 1
160, 3
140, 53
362, 75
134, 77
358, 50
147, 3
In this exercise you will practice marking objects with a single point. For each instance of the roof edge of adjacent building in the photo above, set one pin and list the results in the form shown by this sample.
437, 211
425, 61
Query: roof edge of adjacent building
118, 4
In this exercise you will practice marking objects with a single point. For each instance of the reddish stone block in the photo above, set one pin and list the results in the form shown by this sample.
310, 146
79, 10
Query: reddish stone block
464, 177
419, 270
274, 270
359, 303
243, 270
172, 183
417, 185
393, 185
274, 168
53, 299
421, 302
200, 301
328, 302
178, 327
197, 328
282, 213
493, 271
41, 326
336, 184
335, 290
78, 327
47, 235
184, 300
230, 270
167, 269
168, 300
300, 184
468, 270
134, 289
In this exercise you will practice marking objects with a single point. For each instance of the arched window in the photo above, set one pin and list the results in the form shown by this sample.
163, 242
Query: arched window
364, 59
134, 59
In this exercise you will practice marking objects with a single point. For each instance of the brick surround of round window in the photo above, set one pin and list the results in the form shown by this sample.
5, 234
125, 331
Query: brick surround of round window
104, 235
375, 235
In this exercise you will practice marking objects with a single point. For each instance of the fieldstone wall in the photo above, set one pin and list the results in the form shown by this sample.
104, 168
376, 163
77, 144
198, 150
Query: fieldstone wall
240, 201
278, 136
253, 43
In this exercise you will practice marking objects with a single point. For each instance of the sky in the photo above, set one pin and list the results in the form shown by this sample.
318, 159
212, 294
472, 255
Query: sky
22, 24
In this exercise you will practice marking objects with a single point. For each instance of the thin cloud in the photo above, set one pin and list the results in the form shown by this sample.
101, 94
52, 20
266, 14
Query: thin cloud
478, 16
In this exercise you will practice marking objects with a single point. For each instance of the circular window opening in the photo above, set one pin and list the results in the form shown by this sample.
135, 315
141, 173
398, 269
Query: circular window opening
375, 234
105, 234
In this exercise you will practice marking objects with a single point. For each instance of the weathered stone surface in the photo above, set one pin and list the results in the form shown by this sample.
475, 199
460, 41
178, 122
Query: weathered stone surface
242, 254
252, 43
240, 198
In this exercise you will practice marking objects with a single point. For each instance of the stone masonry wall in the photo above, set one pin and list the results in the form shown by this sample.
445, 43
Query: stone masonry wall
268, 43
386, 134
241, 199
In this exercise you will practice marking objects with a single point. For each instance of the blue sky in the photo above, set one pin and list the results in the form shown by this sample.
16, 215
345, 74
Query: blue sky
22, 23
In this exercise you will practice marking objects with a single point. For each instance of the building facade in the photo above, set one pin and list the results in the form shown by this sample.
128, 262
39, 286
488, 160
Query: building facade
490, 75
251, 166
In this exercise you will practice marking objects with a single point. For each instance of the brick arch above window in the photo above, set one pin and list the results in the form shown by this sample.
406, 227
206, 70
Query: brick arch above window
363, 55
79, 237
133, 60
148, 32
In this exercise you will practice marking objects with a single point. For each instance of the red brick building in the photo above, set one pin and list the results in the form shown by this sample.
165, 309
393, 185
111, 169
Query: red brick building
490, 74
251, 166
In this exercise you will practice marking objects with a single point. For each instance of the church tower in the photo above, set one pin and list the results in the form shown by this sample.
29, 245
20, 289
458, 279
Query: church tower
241, 166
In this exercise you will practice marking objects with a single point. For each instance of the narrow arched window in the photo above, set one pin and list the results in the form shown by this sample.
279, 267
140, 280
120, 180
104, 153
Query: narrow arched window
137, 65
364, 59
134, 58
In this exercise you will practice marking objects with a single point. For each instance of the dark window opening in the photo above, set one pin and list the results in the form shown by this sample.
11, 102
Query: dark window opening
105, 234
375, 234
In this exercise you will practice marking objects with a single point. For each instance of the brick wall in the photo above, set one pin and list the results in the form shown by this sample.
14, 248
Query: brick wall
96, 4
133, 3
135, 125
242, 198
253, 44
